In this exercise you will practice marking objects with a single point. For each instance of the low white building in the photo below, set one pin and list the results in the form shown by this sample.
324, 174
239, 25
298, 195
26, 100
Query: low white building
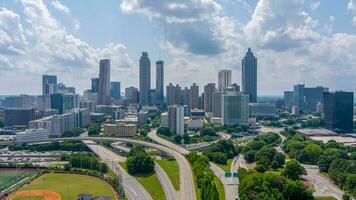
216, 120
32, 135
195, 124
120, 130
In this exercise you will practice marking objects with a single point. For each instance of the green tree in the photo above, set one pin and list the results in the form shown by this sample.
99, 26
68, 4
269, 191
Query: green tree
139, 162
177, 139
278, 161
94, 129
250, 156
186, 138
293, 170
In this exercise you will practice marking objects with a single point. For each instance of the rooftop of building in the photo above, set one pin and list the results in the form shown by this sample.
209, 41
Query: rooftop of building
316, 132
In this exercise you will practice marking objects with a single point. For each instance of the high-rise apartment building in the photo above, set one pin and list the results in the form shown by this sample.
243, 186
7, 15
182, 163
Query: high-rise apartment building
338, 111
217, 103
132, 94
235, 109
224, 79
249, 76
145, 79
208, 97
288, 97
176, 119
313, 96
94, 85
115, 90
194, 96
173, 94
57, 102
104, 83
49, 84
298, 93
160, 81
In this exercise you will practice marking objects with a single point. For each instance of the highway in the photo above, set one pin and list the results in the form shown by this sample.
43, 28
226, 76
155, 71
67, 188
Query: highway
322, 185
230, 187
170, 192
203, 145
133, 189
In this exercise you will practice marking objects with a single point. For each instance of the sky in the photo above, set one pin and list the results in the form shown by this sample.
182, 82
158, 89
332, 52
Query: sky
295, 41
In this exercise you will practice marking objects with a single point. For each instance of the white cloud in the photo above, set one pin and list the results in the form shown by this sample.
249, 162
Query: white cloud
272, 27
59, 6
315, 5
56, 51
12, 37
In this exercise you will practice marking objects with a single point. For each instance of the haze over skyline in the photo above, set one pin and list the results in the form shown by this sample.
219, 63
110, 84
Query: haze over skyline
295, 41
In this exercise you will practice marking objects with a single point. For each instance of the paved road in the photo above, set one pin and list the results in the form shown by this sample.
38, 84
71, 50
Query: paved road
229, 187
230, 184
196, 146
322, 185
171, 193
133, 189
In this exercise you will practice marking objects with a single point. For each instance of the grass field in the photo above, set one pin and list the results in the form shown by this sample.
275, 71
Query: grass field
227, 167
10, 177
172, 170
151, 183
325, 198
220, 187
70, 185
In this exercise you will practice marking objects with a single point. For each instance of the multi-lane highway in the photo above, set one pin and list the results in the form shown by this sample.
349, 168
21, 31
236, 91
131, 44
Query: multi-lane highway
133, 189
230, 186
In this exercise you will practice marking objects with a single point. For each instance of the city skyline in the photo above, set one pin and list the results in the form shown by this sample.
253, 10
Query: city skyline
308, 35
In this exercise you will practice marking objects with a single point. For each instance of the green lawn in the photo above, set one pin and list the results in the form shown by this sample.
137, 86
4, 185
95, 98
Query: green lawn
11, 177
172, 170
227, 167
220, 187
71, 184
325, 198
151, 183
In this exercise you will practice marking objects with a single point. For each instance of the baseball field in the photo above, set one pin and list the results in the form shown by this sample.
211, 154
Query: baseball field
11, 177
59, 186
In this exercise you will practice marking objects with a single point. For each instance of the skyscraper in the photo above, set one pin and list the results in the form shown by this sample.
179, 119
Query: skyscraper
145, 79
173, 94
49, 84
94, 85
249, 76
176, 119
298, 93
224, 79
132, 94
115, 90
57, 102
235, 109
104, 83
338, 110
194, 96
160, 81
313, 96
208, 97
288, 98
217, 103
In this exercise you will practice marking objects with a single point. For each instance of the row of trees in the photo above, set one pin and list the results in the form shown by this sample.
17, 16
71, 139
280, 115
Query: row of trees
52, 146
221, 151
84, 161
94, 129
204, 177
336, 159
261, 150
139, 162
257, 186
73, 132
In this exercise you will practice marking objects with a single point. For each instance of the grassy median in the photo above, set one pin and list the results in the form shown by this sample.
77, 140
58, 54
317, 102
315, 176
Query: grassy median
172, 170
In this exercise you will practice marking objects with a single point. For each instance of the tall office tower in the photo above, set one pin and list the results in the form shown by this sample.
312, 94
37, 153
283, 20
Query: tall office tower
235, 109
43, 102
145, 79
104, 83
20, 101
208, 97
217, 103
94, 85
115, 90
176, 119
249, 76
313, 96
57, 102
49, 84
160, 81
224, 79
288, 97
152, 97
194, 96
338, 111
298, 93
132, 94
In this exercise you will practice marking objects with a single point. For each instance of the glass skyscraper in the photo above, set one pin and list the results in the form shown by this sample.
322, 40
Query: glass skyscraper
249, 76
